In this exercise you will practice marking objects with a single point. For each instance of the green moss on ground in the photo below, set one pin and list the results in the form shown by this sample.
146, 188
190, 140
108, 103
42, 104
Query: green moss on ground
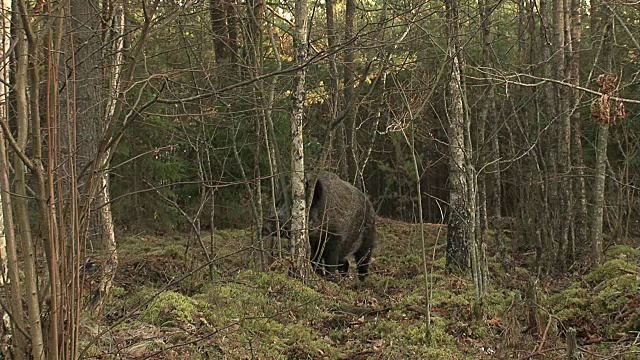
246, 313
605, 301
170, 309
610, 270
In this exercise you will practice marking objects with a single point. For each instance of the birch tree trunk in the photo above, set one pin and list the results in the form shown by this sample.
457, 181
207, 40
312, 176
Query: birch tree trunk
300, 247
103, 198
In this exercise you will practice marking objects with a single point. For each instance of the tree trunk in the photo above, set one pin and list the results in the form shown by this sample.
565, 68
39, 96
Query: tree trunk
427, 278
333, 86
276, 170
232, 28
17, 322
10, 269
103, 199
276, 158
564, 131
85, 25
300, 247
459, 217
21, 205
218, 15
253, 46
4, 116
350, 142
547, 148
598, 195
485, 24
603, 16
579, 192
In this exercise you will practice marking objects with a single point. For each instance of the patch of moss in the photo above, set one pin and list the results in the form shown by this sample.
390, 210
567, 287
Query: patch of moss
621, 251
395, 331
415, 297
609, 270
498, 302
572, 314
521, 272
572, 297
436, 352
170, 247
440, 262
169, 309
285, 288
615, 293
269, 295
570, 304
123, 302
117, 291
230, 302
298, 340
403, 339
449, 300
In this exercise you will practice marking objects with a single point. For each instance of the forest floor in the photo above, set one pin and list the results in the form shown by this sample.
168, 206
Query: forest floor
164, 305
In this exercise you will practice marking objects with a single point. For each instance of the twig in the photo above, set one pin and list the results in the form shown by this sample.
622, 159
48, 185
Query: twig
540, 352
546, 332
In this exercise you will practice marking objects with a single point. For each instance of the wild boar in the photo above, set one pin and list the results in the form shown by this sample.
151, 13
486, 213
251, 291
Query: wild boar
341, 224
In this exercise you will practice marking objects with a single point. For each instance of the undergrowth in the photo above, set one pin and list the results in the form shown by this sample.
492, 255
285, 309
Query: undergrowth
168, 304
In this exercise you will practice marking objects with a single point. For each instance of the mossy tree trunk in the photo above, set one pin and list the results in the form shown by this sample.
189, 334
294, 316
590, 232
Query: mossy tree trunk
457, 257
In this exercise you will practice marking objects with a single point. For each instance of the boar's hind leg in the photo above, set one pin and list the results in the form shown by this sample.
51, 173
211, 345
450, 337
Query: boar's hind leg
363, 258
316, 254
332, 261
343, 269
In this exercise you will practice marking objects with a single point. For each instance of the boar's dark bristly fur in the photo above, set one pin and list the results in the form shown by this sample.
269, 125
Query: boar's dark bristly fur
341, 224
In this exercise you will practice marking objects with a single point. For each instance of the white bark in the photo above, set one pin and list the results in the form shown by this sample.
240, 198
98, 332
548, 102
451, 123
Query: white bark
103, 198
300, 236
